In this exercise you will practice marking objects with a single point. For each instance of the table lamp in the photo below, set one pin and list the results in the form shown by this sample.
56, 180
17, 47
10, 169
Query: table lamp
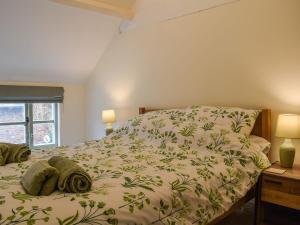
108, 117
288, 127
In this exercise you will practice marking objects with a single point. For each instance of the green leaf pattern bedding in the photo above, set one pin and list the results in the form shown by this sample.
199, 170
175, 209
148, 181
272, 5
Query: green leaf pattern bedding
166, 167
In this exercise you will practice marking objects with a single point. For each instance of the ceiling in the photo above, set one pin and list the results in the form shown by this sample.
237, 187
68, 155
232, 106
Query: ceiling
119, 8
122, 3
43, 41
149, 12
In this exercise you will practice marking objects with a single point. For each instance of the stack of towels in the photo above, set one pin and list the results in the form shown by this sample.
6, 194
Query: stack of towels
13, 153
43, 177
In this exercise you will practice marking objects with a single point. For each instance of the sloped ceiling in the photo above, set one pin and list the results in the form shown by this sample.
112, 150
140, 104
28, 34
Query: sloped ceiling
123, 3
119, 8
42, 41
154, 11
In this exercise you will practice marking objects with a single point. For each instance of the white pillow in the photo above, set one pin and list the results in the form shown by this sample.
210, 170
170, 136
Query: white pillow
262, 143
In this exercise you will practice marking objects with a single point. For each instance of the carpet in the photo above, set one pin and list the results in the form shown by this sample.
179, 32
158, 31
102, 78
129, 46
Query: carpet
243, 216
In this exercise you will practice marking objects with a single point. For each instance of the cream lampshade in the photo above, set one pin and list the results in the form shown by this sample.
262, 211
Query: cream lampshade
108, 117
288, 127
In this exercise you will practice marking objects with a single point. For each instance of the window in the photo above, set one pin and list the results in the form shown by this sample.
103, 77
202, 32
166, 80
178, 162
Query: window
35, 124
29, 114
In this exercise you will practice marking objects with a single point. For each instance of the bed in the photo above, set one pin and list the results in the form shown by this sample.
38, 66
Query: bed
151, 170
262, 128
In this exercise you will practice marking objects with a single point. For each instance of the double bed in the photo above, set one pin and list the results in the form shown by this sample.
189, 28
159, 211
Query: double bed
261, 128
180, 166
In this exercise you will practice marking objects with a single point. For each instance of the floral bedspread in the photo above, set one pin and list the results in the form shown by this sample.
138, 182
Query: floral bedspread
166, 167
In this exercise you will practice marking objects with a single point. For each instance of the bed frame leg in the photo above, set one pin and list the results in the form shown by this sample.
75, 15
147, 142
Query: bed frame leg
258, 203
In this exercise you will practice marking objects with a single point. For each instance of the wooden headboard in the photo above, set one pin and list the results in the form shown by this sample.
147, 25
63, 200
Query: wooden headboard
262, 126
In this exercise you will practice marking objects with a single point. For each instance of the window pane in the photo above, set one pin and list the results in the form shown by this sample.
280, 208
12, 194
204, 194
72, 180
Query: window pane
43, 111
10, 113
43, 134
13, 134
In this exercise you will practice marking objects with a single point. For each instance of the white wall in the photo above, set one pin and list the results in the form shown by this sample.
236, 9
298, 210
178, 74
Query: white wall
243, 54
72, 115
43, 41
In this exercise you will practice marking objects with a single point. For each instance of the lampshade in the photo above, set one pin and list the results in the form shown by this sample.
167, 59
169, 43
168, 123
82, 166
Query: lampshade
288, 126
108, 116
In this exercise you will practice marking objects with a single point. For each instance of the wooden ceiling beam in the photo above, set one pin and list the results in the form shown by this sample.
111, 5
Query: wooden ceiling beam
101, 6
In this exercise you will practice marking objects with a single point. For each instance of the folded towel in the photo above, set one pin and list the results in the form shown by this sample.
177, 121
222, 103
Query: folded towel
40, 179
4, 154
72, 178
10, 153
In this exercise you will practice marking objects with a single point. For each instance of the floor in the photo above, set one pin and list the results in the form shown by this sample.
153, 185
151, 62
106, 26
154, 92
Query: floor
275, 216
243, 216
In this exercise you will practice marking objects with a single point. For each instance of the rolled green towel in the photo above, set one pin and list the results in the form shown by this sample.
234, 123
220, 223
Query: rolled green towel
4, 154
72, 178
11, 153
40, 179
18, 153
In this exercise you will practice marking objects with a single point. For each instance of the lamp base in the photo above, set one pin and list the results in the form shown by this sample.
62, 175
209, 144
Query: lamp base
108, 131
287, 154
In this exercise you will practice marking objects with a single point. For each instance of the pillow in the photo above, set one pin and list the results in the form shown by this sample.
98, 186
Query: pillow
232, 119
212, 128
237, 120
262, 143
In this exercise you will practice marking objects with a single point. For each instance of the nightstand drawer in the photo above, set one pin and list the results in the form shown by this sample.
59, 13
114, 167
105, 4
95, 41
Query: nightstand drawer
282, 185
280, 191
280, 198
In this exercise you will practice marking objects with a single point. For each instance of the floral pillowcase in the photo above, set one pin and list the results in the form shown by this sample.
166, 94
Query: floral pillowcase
217, 129
208, 118
237, 120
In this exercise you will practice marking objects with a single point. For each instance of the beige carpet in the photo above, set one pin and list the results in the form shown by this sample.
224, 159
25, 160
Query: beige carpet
244, 216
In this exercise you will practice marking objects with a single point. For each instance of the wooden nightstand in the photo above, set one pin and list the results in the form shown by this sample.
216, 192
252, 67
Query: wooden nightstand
278, 189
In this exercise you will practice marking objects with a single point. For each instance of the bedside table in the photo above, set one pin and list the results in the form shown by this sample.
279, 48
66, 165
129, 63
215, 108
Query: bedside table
278, 189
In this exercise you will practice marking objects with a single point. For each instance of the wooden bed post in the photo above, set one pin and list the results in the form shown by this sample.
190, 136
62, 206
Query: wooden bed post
266, 124
142, 110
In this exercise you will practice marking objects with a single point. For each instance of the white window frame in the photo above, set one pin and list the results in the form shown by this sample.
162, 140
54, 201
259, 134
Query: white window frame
28, 123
